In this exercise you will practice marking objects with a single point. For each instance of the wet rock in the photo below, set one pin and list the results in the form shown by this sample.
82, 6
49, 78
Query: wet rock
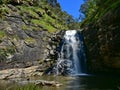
48, 83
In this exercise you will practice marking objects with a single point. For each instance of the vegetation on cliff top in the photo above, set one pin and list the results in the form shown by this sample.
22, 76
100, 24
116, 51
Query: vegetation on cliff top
43, 13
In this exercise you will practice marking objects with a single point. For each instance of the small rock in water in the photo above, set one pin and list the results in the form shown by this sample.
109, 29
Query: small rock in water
48, 83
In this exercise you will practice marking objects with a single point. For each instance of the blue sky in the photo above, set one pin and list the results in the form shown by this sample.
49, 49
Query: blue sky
71, 6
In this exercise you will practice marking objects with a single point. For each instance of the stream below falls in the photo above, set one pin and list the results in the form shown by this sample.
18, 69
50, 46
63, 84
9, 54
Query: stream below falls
87, 82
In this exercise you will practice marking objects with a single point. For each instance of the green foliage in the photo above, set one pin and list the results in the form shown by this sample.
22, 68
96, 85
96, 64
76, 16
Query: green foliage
44, 18
49, 15
2, 34
2, 55
27, 87
3, 10
38, 10
25, 27
5, 52
5, 1
43, 24
94, 10
40, 13
10, 50
30, 11
108, 6
30, 40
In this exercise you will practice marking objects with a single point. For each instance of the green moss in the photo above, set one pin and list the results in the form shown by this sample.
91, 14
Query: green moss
10, 49
5, 1
41, 61
30, 40
48, 19
3, 10
29, 0
50, 28
47, 22
38, 10
32, 11
37, 22
54, 22
40, 17
2, 34
2, 55
53, 15
29, 10
25, 27
44, 5
5, 52
43, 24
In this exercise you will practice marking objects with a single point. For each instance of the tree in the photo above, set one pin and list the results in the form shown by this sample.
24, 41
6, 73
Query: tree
94, 10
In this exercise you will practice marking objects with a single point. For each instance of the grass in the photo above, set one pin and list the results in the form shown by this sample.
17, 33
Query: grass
30, 40
33, 11
25, 27
53, 22
29, 10
3, 10
43, 24
46, 21
27, 87
38, 10
39, 17
2, 34
5, 51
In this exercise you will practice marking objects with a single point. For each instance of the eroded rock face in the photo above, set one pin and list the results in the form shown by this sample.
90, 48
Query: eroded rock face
20, 73
22, 49
24, 44
52, 50
102, 42
19, 45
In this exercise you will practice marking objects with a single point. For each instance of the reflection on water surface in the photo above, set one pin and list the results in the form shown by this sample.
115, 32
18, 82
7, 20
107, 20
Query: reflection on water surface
72, 83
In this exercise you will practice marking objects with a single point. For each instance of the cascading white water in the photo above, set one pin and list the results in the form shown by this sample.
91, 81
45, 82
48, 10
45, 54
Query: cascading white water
72, 58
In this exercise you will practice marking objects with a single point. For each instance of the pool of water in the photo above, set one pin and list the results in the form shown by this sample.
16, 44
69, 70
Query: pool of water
94, 83
80, 82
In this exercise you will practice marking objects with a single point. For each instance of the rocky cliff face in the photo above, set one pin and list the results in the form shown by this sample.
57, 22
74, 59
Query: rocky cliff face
19, 45
26, 28
102, 41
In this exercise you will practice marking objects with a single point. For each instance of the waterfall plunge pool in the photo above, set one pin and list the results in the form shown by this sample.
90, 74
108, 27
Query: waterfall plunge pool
89, 82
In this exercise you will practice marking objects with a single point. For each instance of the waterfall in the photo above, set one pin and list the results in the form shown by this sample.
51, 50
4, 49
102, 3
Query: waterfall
72, 58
